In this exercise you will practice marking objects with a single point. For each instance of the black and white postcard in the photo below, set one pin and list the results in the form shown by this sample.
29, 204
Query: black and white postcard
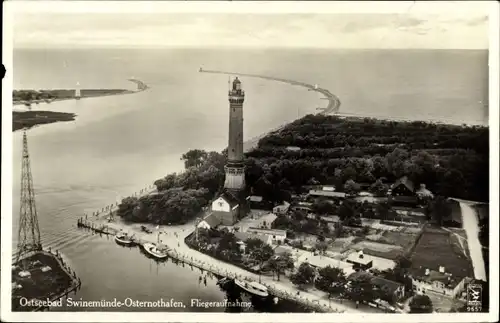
215, 161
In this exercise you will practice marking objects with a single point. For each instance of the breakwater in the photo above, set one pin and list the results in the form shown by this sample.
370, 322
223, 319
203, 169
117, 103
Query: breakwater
333, 100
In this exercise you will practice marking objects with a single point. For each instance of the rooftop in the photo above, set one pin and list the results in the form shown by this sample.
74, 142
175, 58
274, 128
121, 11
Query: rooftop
386, 285
212, 220
359, 258
324, 261
230, 198
254, 198
268, 218
406, 182
268, 231
243, 236
434, 275
327, 193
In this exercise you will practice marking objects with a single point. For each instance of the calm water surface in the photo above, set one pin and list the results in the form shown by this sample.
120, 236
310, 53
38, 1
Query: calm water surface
120, 144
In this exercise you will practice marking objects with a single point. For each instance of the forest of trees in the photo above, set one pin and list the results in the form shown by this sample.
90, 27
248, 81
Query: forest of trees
29, 95
450, 160
181, 196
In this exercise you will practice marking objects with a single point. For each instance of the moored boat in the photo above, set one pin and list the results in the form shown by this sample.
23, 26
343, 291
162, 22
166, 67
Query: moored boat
124, 239
252, 287
152, 249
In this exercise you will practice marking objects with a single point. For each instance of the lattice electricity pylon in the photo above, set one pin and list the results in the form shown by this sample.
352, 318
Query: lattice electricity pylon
29, 232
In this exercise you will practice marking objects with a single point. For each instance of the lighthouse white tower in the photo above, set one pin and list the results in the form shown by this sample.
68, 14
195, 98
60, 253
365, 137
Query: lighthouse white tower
78, 94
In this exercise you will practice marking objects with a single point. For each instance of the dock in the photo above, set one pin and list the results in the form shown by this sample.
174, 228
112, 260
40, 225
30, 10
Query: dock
178, 251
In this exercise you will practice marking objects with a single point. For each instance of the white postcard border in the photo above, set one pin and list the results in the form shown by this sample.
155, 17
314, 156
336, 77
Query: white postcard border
242, 7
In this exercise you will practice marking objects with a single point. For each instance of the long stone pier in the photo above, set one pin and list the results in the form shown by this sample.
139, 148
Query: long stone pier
333, 100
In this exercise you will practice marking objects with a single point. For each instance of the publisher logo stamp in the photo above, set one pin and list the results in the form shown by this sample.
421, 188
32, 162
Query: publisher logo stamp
474, 297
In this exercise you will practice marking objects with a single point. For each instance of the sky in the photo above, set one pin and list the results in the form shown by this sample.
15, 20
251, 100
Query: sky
409, 28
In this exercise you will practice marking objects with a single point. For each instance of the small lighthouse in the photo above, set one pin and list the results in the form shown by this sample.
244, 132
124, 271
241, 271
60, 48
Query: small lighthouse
78, 94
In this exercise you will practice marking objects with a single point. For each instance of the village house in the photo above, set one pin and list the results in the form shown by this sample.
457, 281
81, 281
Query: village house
258, 203
277, 236
211, 221
440, 282
403, 192
226, 207
282, 208
264, 221
330, 195
302, 206
394, 291
360, 261
319, 262
244, 236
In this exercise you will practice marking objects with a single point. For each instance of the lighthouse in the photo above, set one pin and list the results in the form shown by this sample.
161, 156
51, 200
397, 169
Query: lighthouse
235, 168
77, 91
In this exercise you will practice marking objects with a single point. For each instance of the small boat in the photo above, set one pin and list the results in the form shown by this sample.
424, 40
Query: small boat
223, 281
252, 287
124, 239
145, 229
152, 249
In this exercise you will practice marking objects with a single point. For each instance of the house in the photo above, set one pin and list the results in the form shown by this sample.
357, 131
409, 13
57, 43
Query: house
403, 187
266, 221
403, 192
360, 261
302, 206
319, 262
393, 290
439, 282
226, 207
258, 202
331, 219
211, 221
282, 208
277, 236
331, 195
244, 236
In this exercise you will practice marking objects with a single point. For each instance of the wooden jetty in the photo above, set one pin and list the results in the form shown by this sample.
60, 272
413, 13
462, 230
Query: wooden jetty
102, 229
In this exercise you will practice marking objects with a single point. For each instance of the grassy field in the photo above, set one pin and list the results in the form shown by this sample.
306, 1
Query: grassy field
438, 247
388, 244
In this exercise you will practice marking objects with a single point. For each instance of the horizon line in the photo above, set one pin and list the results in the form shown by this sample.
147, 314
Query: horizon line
72, 46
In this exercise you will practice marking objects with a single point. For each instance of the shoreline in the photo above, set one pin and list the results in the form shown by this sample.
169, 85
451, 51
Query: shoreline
40, 117
173, 238
141, 86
